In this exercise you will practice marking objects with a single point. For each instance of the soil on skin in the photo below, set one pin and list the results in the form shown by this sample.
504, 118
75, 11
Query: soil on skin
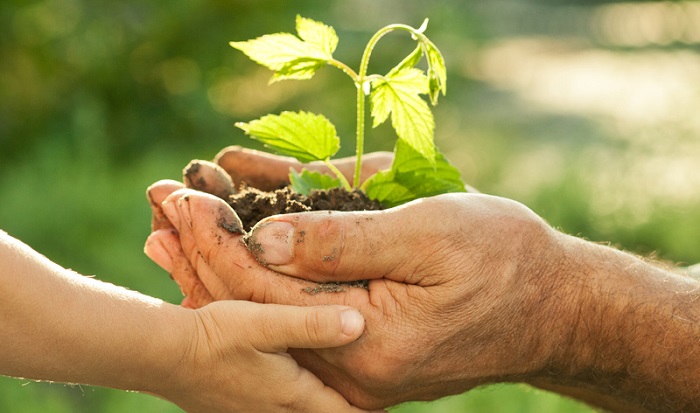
252, 205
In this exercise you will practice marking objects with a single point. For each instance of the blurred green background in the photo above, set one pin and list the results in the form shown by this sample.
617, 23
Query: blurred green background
586, 111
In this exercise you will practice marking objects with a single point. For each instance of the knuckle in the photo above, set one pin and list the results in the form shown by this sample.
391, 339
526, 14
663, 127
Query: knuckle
316, 326
330, 235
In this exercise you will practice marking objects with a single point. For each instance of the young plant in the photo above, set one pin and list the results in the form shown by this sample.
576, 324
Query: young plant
418, 170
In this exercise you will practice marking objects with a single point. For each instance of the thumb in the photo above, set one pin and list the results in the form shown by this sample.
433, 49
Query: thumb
280, 327
340, 246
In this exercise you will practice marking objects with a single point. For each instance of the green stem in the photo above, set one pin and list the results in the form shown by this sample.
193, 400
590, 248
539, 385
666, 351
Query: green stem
360, 84
338, 174
345, 68
359, 135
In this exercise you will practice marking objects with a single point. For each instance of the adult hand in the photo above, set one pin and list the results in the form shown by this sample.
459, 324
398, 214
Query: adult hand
455, 297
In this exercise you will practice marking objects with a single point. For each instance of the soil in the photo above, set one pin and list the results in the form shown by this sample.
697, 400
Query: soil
252, 205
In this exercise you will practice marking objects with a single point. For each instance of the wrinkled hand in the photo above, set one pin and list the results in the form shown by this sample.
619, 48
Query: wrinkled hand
455, 299
232, 167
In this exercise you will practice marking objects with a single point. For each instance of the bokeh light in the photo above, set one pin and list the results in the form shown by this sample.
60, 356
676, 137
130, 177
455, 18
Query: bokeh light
584, 111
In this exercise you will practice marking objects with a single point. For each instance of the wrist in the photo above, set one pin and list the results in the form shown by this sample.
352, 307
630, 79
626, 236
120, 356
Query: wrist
577, 320
554, 295
625, 319
166, 353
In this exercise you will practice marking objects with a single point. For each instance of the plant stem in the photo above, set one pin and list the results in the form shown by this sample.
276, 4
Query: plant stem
360, 81
360, 78
360, 135
345, 68
338, 174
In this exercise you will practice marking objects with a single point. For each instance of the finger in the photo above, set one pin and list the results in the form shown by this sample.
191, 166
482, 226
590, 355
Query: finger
316, 396
328, 399
344, 246
210, 237
371, 164
279, 327
268, 172
176, 208
313, 395
328, 368
156, 193
261, 170
163, 247
208, 177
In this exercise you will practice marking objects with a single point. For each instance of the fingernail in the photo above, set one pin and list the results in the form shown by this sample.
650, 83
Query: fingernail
170, 211
157, 252
352, 322
272, 242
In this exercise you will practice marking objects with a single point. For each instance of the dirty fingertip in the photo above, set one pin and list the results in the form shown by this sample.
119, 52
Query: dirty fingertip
205, 210
229, 221
272, 242
208, 177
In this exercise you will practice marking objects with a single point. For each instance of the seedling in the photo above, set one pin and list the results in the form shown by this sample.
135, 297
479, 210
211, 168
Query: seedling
418, 170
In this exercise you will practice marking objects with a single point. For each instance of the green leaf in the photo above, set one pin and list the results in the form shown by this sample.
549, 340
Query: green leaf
306, 181
398, 94
289, 56
306, 136
409, 61
299, 69
318, 34
437, 71
411, 177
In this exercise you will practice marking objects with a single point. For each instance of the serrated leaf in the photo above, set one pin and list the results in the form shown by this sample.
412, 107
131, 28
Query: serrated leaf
289, 56
306, 136
411, 177
318, 34
307, 181
385, 189
398, 94
276, 50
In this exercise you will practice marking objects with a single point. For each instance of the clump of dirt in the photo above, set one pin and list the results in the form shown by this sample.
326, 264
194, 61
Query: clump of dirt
252, 205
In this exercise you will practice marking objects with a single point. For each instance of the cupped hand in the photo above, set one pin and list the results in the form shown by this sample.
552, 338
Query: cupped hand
232, 167
457, 296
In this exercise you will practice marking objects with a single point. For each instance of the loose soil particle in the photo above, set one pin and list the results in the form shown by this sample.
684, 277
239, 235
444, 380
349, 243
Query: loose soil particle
336, 287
